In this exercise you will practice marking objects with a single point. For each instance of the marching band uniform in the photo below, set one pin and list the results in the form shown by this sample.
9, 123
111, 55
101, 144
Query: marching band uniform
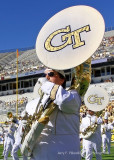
83, 151
2, 134
17, 143
5, 142
106, 136
10, 139
60, 137
94, 141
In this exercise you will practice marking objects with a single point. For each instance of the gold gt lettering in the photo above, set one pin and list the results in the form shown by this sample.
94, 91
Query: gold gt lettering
95, 99
69, 38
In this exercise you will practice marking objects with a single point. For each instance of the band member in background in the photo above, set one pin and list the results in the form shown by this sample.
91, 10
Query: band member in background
2, 137
93, 141
60, 137
17, 144
10, 138
9, 115
5, 135
83, 151
18, 137
106, 135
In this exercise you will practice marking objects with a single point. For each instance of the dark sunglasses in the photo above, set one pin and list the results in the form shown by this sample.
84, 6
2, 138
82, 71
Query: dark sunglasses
50, 74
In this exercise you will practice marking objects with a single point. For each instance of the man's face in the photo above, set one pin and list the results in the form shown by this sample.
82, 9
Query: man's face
10, 115
53, 76
106, 121
91, 112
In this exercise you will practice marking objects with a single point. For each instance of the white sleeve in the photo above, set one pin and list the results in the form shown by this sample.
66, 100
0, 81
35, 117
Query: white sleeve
82, 125
99, 120
67, 101
101, 128
110, 127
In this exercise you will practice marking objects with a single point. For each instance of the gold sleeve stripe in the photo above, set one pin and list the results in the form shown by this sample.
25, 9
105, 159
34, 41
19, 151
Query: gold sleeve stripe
54, 91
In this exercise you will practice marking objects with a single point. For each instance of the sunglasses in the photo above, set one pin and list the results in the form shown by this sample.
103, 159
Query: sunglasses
50, 74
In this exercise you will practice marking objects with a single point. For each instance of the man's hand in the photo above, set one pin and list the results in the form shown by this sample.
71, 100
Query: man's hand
42, 80
47, 87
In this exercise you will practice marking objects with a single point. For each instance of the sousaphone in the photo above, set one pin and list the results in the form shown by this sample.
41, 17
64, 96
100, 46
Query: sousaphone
67, 41
70, 37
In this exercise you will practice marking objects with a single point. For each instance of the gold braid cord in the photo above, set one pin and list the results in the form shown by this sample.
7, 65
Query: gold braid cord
35, 125
81, 77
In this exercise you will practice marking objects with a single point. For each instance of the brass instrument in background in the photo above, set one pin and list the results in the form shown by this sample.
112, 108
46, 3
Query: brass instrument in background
89, 131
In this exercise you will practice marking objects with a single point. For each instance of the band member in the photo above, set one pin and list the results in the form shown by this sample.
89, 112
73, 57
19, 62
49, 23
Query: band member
5, 142
17, 143
60, 137
91, 124
10, 138
9, 115
106, 135
2, 135
83, 151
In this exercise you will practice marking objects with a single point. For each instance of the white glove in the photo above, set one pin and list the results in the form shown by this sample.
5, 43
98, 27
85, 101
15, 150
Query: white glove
47, 87
42, 80
37, 91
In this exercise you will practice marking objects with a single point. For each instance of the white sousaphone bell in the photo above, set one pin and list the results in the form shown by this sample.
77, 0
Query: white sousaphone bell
96, 98
70, 37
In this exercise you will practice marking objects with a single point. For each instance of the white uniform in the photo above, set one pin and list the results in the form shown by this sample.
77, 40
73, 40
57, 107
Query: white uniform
83, 151
10, 140
60, 138
106, 136
1, 137
17, 143
5, 142
94, 141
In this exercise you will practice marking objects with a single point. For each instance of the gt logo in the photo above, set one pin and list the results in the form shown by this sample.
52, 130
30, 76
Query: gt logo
95, 99
71, 38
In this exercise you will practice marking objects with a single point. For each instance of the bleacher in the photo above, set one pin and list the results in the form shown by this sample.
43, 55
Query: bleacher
28, 60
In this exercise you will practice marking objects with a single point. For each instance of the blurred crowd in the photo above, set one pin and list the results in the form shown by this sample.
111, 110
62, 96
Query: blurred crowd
105, 49
12, 104
28, 61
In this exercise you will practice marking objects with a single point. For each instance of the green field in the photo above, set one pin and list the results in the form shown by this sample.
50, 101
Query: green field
104, 157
